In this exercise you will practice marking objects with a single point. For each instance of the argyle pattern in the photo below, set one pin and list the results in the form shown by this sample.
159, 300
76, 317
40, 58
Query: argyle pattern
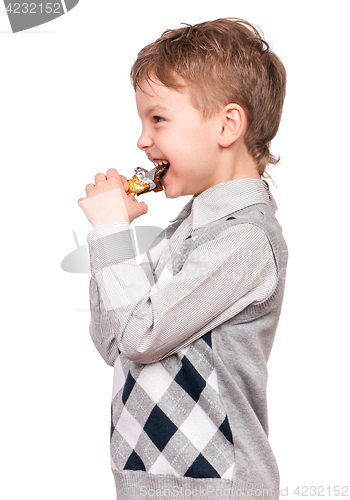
167, 417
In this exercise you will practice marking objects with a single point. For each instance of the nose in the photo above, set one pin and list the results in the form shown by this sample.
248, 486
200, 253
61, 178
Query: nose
145, 140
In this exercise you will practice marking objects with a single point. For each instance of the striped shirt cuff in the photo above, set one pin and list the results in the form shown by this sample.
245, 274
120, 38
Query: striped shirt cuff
110, 244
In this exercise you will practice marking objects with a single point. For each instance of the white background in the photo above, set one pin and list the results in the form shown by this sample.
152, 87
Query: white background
67, 112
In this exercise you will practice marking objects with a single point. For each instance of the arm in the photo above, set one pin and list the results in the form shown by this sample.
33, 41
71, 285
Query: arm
147, 323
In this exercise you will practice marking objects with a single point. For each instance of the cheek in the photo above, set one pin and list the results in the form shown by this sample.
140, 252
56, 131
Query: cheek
201, 148
191, 140
187, 146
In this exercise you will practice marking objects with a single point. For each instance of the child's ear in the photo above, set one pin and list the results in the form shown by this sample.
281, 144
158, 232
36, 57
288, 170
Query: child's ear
233, 124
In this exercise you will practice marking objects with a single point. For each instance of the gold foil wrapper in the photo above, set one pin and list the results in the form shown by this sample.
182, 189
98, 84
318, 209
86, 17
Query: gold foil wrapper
136, 186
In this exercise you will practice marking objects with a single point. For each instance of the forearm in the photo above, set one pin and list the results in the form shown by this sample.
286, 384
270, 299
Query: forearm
101, 240
101, 330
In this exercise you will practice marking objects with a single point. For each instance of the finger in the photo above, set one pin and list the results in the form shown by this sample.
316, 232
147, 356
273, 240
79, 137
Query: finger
99, 178
125, 182
89, 187
144, 207
111, 172
81, 199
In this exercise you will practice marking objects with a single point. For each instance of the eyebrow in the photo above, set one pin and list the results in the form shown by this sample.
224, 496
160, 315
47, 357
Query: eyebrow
157, 107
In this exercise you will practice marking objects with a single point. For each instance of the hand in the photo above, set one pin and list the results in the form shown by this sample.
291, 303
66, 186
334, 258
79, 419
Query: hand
107, 201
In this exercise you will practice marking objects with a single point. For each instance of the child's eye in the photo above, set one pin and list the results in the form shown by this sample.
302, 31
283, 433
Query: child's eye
158, 119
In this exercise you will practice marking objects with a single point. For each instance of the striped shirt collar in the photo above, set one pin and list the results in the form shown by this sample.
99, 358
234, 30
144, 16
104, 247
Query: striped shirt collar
225, 198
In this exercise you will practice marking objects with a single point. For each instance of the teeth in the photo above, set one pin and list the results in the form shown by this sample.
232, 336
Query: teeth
161, 162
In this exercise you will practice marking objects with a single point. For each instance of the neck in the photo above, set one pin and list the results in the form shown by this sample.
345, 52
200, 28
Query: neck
237, 163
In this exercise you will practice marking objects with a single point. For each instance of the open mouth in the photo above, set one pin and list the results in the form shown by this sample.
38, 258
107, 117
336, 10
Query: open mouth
165, 168
162, 168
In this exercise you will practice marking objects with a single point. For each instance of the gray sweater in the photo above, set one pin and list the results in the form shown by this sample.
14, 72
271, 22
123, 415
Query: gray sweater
213, 400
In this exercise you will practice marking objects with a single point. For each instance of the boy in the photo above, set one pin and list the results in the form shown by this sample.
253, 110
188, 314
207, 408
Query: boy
190, 329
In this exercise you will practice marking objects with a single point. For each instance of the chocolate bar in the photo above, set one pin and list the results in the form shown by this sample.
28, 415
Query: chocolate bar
145, 182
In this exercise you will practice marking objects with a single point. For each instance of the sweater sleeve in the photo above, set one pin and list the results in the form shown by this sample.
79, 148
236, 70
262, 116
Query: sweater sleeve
149, 322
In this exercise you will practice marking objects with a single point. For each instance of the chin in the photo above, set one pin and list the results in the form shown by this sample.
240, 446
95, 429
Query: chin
171, 194
175, 190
